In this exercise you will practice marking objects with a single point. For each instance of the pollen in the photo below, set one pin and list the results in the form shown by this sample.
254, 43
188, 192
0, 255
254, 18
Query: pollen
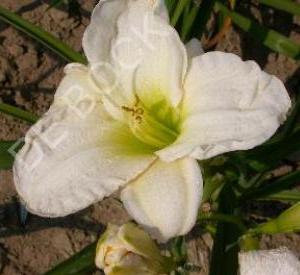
136, 112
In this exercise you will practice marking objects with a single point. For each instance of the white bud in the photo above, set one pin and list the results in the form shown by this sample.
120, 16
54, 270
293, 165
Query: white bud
128, 250
269, 262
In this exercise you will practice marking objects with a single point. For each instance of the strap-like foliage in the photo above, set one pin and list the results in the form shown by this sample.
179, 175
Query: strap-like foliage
7, 151
268, 37
41, 35
18, 113
284, 5
80, 263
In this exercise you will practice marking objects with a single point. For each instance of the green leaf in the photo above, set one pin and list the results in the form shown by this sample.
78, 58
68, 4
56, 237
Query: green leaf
178, 250
273, 187
179, 10
284, 196
18, 113
171, 4
267, 156
292, 120
203, 16
224, 218
224, 258
287, 222
6, 158
189, 21
284, 5
249, 242
213, 185
80, 263
41, 35
268, 37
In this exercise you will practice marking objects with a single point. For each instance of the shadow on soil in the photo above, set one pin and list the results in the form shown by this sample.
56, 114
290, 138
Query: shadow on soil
10, 224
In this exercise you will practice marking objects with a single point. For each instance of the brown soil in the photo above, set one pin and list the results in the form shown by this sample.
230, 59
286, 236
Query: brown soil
29, 74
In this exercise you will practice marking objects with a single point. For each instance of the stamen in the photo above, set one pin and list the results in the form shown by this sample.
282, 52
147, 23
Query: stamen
139, 119
139, 111
148, 127
128, 109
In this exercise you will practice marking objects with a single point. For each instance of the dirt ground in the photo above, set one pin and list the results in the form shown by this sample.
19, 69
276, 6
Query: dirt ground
29, 74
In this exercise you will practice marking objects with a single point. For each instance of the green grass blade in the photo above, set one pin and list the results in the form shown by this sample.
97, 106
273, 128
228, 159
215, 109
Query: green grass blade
273, 187
178, 249
179, 10
267, 156
203, 15
8, 149
80, 263
171, 4
284, 196
224, 259
42, 36
189, 21
268, 37
18, 113
6, 158
292, 120
284, 5
219, 217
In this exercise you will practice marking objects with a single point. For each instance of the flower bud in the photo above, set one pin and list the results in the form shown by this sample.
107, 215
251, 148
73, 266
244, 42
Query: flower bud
269, 262
128, 250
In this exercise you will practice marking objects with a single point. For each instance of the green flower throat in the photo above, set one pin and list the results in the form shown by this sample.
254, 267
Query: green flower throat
156, 125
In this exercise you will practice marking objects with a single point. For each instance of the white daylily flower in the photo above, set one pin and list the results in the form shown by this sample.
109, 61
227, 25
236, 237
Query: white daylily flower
139, 117
269, 262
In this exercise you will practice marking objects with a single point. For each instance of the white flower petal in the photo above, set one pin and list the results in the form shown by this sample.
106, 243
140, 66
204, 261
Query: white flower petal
165, 199
194, 48
269, 262
148, 55
103, 27
228, 105
160, 9
75, 154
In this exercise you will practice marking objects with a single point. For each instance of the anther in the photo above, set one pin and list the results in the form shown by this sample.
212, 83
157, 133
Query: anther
139, 119
139, 111
128, 109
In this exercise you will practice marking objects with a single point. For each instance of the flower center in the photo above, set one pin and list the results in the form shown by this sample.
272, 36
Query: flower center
157, 126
